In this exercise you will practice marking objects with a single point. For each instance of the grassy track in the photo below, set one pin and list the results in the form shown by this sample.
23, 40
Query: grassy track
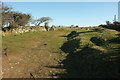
42, 54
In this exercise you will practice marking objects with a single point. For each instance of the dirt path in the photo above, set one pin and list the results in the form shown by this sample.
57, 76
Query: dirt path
35, 61
32, 53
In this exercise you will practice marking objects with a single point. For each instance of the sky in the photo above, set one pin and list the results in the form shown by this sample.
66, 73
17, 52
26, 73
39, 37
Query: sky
60, 0
69, 13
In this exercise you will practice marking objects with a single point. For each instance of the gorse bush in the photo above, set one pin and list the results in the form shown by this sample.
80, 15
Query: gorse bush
115, 26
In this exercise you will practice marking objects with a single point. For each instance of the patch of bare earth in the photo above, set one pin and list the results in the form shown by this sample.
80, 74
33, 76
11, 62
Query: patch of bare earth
34, 62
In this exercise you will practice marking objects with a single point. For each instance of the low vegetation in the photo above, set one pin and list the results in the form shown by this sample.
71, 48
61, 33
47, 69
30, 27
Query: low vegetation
65, 52
57, 52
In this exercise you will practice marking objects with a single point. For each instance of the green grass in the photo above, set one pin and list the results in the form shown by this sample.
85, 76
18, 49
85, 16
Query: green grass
43, 56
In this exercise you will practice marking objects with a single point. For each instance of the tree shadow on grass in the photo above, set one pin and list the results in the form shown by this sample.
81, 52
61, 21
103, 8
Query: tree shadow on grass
70, 46
115, 40
74, 34
88, 62
99, 41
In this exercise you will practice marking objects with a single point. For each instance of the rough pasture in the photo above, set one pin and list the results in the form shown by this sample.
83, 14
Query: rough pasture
61, 53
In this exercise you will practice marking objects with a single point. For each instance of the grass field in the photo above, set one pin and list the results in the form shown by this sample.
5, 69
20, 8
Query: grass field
65, 52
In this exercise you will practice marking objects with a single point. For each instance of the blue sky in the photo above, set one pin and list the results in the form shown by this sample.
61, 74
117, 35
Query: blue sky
69, 13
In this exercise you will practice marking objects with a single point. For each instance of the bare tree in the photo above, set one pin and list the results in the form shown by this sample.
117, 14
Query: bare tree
44, 20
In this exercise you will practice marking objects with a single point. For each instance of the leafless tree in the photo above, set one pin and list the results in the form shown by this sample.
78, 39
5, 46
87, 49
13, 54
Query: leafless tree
44, 20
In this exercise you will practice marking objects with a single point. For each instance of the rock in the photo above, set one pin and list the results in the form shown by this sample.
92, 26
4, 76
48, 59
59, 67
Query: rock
18, 62
11, 67
55, 77
50, 71
19, 71
61, 64
53, 73
35, 76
